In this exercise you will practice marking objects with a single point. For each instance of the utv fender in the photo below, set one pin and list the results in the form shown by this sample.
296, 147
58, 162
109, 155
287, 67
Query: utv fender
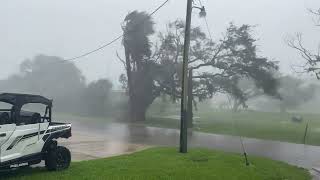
50, 138
49, 145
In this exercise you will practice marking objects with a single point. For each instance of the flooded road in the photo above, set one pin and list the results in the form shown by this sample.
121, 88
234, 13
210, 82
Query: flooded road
98, 140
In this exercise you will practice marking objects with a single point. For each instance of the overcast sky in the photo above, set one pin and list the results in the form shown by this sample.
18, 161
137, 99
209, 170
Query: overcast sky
67, 28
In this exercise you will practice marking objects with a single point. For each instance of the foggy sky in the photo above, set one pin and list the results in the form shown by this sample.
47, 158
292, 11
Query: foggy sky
67, 28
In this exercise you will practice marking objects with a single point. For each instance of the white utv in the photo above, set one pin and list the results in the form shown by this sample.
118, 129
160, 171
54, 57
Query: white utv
27, 138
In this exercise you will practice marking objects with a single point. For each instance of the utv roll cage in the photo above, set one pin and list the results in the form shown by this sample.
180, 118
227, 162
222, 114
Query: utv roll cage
19, 100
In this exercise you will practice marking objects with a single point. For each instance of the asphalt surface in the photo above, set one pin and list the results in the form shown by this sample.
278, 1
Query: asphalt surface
99, 140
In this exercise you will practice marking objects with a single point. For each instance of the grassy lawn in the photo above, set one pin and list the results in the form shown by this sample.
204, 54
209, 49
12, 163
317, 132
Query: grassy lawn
166, 163
262, 125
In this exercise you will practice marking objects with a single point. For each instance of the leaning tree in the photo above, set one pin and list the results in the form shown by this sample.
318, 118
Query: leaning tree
140, 67
214, 67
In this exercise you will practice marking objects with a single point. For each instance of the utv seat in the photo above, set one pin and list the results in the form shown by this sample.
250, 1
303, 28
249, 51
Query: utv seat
27, 117
4, 118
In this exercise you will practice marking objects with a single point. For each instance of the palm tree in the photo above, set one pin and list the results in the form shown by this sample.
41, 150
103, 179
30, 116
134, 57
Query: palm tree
137, 27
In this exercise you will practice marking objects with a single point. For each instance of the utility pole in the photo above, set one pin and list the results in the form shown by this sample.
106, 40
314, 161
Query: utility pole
190, 100
184, 85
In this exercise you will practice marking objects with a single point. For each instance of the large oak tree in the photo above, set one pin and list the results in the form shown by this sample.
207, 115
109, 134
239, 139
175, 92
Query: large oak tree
214, 67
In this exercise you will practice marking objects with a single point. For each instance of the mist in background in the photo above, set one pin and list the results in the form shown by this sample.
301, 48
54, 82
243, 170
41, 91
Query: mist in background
69, 28
63, 29
36, 36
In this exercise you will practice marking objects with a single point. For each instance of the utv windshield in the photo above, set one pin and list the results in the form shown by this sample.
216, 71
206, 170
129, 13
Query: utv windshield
37, 110
5, 113
5, 106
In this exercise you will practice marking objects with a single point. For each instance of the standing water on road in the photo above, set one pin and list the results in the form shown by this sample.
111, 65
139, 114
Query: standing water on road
96, 140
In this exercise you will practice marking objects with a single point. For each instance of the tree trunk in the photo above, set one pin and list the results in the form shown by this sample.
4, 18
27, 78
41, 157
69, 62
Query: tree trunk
141, 94
283, 108
138, 112
131, 113
140, 86
236, 105
190, 100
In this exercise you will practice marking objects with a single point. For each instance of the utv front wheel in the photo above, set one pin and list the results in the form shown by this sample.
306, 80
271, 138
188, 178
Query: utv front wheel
58, 159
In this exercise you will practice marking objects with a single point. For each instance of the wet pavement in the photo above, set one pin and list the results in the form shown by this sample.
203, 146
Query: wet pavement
315, 173
91, 145
99, 140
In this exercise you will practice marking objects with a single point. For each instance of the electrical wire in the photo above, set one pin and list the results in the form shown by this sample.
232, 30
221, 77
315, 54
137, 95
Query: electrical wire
95, 50
206, 22
234, 121
209, 31
117, 38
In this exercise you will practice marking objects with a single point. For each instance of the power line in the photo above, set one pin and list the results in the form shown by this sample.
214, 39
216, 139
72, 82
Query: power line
95, 50
209, 31
117, 38
206, 21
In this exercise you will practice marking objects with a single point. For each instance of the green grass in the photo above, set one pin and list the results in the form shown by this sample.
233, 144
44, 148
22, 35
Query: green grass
262, 125
166, 163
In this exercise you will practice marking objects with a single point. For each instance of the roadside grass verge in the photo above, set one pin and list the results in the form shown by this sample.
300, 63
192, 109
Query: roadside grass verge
261, 125
167, 163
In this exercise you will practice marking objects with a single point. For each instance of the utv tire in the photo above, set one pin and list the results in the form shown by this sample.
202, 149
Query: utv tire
58, 159
5, 168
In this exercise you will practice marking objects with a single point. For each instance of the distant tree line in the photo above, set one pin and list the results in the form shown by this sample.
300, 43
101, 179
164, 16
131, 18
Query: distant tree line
294, 94
64, 83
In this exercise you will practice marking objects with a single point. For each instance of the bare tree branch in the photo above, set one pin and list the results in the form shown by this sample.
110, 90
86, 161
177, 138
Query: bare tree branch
296, 43
168, 90
205, 76
317, 14
121, 60
312, 59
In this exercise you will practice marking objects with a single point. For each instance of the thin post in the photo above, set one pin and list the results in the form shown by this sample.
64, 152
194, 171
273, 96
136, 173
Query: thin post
184, 85
190, 100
